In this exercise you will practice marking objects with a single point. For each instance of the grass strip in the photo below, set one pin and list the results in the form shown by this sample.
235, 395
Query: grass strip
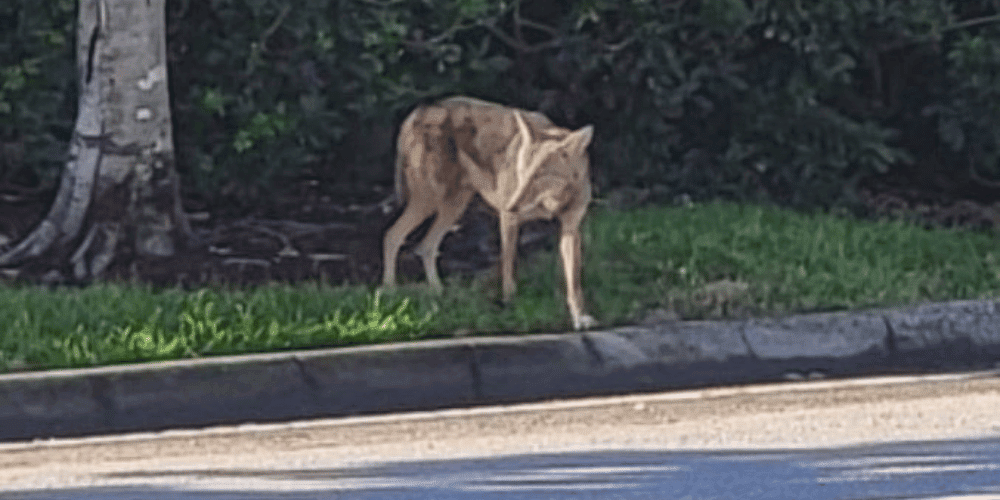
715, 260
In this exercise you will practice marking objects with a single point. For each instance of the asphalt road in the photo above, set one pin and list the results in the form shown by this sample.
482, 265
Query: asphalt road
903, 437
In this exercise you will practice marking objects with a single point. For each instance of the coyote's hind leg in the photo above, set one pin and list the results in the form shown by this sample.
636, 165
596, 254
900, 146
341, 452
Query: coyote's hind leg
414, 214
448, 213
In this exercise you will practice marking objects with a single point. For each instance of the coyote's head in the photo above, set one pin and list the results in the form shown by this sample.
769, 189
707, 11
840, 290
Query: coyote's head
550, 169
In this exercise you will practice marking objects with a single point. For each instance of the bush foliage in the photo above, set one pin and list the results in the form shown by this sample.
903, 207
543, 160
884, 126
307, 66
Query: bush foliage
37, 88
795, 101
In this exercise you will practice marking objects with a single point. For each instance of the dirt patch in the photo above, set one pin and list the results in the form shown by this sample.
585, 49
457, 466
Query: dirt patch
928, 208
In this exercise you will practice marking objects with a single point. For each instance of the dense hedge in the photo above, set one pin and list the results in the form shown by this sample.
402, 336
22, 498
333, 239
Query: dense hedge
795, 101
37, 88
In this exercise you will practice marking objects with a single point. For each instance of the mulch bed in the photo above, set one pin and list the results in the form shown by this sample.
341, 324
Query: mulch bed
307, 234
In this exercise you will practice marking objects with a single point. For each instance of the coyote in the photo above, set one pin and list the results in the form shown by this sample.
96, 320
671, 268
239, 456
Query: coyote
517, 161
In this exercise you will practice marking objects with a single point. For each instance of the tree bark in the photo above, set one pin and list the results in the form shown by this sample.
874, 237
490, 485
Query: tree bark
119, 186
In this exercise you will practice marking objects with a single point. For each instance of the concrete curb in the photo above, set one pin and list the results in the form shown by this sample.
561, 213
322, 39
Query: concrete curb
484, 370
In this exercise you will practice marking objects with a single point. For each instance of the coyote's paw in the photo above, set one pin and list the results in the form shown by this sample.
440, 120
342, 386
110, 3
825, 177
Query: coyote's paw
584, 322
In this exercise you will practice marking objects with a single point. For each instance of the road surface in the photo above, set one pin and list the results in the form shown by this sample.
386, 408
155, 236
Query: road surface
899, 437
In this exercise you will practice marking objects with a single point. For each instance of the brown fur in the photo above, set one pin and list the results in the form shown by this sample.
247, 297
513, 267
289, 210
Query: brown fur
518, 161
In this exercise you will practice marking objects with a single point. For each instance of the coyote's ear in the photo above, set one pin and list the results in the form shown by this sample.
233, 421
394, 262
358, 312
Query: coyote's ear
578, 141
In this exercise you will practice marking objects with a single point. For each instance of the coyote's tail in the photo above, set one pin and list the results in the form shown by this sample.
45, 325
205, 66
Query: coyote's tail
403, 147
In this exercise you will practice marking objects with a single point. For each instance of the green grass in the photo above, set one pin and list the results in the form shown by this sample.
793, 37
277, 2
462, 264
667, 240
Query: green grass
109, 323
726, 260
714, 260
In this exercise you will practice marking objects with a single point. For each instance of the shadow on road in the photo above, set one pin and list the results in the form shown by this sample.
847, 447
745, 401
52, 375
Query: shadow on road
958, 469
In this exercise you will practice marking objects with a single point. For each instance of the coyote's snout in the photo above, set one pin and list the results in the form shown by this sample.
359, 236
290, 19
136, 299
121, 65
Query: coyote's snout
518, 161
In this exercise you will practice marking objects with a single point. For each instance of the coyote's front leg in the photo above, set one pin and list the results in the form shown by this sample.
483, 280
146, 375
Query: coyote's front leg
572, 256
508, 252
